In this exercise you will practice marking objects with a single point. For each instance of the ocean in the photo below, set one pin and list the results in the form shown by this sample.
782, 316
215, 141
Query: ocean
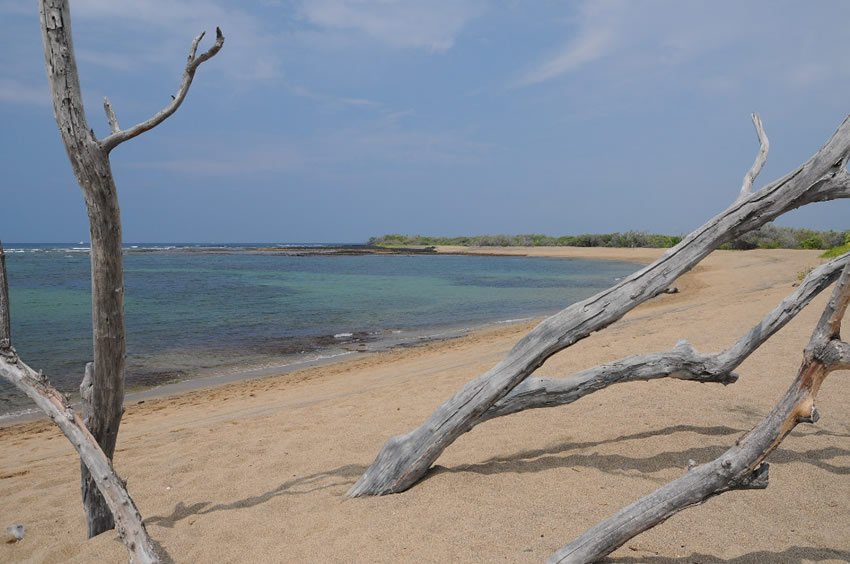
198, 310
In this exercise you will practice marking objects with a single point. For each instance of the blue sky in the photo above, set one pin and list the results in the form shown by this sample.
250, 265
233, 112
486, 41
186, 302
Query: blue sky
335, 120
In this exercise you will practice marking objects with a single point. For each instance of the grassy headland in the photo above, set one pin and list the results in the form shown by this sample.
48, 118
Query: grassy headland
767, 237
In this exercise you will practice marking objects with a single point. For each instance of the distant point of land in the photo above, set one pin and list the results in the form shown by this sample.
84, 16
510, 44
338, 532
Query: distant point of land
767, 237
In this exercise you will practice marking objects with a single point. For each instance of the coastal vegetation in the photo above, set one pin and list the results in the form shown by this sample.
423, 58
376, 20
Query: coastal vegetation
768, 236
839, 249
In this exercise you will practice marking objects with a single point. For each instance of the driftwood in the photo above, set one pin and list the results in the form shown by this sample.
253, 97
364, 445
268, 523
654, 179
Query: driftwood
742, 466
405, 459
683, 362
90, 161
34, 384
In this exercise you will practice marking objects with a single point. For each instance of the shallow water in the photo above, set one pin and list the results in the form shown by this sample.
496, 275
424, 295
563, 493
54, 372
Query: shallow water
193, 313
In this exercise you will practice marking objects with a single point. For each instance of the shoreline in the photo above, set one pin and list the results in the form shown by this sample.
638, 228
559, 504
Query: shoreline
639, 255
217, 378
224, 375
341, 351
254, 470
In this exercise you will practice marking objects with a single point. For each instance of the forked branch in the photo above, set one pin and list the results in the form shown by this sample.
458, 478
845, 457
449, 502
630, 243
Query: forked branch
193, 61
761, 157
683, 362
740, 467
34, 384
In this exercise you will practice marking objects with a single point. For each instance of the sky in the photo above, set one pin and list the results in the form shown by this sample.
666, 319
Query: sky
337, 120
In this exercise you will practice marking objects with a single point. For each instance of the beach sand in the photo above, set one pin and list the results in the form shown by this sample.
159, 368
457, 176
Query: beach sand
256, 471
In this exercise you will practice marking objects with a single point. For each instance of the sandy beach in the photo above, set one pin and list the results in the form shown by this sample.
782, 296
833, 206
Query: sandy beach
256, 471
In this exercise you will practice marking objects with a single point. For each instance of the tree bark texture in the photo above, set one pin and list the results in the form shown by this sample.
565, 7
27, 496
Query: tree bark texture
90, 162
92, 170
740, 467
405, 459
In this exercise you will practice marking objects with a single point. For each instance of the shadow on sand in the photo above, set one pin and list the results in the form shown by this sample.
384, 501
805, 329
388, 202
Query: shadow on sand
297, 486
553, 457
793, 555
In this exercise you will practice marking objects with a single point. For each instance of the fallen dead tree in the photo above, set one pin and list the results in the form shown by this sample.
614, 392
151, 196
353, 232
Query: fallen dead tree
405, 459
742, 466
113, 489
682, 363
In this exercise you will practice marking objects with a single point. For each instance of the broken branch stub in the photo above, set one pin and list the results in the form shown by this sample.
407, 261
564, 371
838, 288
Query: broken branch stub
405, 459
761, 157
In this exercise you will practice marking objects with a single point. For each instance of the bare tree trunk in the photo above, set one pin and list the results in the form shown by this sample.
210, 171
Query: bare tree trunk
91, 168
405, 459
740, 467
90, 161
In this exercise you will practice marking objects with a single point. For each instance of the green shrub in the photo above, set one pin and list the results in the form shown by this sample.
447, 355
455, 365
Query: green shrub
837, 251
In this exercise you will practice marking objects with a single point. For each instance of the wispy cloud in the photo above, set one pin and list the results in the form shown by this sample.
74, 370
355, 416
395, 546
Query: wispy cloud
592, 45
14, 92
160, 31
594, 34
433, 25
648, 40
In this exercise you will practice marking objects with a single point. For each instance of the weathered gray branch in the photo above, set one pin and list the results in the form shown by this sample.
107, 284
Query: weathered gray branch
93, 172
683, 362
405, 459
761, 157
742, 466
192, 63
128, 521
835, 188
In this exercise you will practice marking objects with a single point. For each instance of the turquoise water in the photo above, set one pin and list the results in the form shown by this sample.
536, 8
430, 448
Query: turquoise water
192, 312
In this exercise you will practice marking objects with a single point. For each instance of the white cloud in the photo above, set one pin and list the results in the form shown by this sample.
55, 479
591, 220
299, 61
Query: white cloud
160, 31
654, 40
591, 46
15, 92
595, 34
432, 25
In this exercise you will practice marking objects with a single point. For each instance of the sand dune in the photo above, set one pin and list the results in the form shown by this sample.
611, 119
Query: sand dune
256, 471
